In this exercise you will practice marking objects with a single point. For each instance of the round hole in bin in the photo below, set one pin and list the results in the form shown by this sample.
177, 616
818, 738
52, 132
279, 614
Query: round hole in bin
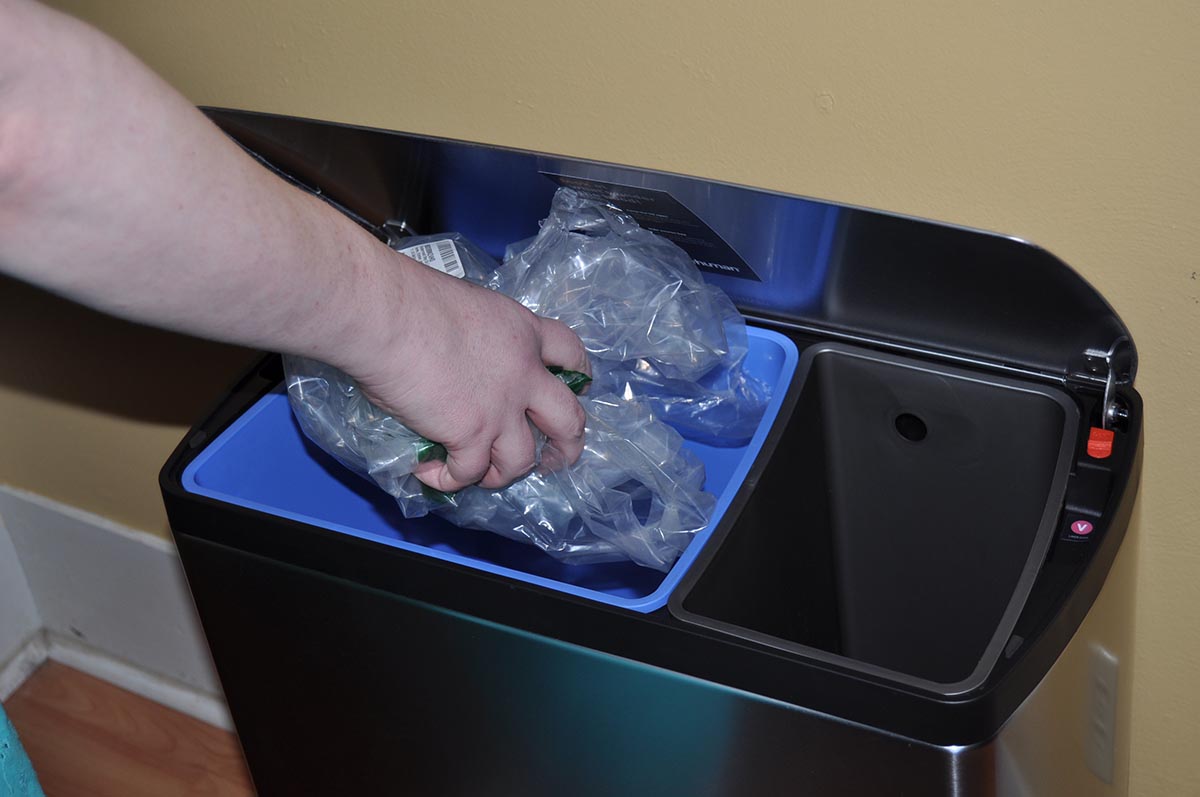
911, 427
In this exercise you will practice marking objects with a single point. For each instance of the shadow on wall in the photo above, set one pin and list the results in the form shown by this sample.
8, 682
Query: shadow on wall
59, 350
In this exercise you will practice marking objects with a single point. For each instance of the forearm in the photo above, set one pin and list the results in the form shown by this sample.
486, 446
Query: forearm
118, 193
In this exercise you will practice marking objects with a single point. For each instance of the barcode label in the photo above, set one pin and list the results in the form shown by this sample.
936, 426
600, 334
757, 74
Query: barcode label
442, 255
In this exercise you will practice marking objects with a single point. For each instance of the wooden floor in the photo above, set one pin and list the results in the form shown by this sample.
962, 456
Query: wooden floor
86, 737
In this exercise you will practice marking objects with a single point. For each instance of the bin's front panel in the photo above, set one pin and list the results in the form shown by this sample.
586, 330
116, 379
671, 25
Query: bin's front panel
342, 689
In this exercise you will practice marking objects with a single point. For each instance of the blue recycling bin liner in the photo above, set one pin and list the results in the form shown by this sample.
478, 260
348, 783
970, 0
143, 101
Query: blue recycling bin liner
264, 462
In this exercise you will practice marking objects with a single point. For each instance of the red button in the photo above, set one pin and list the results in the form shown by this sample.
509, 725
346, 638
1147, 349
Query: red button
1100, 443
1082, 528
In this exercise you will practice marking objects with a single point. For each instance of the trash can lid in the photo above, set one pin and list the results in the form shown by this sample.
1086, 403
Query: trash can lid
904, 283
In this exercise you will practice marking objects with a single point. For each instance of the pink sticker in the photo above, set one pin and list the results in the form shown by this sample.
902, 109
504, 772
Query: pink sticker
1082, 528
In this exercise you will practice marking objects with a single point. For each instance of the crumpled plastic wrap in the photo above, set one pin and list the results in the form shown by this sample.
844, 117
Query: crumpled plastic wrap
664, 346
654, 327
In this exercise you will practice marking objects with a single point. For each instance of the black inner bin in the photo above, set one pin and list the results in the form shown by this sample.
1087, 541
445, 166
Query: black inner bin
897, 518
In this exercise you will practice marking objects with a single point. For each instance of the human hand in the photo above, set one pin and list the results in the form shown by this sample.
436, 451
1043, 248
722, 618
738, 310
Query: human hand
466, 367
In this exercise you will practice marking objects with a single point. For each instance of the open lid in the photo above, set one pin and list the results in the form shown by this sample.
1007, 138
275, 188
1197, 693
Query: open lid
853, 273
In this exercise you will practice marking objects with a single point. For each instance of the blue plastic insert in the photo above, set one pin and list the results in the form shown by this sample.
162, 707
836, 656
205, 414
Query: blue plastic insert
263, 462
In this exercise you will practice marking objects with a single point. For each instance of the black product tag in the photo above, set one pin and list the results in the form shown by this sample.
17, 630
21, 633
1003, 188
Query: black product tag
663, 214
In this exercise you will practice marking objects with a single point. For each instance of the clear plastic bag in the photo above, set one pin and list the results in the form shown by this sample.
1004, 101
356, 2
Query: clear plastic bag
654, 327
663, 344
635, 493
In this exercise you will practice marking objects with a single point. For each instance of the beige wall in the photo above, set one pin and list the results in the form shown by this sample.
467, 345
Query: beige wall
1075, 128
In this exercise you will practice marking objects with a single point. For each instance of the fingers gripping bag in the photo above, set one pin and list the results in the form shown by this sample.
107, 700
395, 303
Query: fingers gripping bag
662, 346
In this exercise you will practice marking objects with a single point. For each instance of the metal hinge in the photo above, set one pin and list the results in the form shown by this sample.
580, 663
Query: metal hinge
393, 232
1116, 366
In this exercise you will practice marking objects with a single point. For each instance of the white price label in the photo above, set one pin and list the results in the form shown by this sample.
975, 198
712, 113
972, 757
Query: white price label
442, 255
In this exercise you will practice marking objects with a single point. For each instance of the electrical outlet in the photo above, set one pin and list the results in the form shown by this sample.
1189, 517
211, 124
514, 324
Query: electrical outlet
1101, 728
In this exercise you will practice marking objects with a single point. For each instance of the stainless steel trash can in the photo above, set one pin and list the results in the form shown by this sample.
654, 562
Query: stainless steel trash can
900, 566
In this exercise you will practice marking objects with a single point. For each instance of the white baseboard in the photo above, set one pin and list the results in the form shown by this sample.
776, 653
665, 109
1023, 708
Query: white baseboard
112, 602
201, 705
42, 647
19, 619
22, 663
